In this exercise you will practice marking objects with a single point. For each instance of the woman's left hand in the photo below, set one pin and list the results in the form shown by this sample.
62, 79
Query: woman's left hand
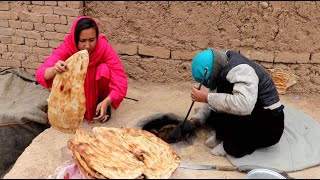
101, 110
199, 95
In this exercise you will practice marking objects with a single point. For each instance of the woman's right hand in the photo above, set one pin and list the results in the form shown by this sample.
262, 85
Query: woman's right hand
59, 67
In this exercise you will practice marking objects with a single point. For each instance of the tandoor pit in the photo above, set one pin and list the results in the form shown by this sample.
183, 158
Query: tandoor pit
161, 124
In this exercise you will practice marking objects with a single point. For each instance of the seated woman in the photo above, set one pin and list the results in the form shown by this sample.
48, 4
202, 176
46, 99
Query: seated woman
106, 83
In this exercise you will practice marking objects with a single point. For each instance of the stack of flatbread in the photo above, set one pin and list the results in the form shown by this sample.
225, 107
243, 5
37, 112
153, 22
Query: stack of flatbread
283, 79
67, 102
122, 153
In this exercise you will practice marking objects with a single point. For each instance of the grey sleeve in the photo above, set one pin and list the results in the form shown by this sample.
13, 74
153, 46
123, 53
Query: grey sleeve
203, 113
244, 94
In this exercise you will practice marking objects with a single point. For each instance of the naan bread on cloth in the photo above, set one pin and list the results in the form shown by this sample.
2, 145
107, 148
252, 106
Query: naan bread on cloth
123, 153
67, 102
101, 160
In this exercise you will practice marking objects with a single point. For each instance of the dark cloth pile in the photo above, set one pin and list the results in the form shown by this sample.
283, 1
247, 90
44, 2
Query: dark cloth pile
23, 114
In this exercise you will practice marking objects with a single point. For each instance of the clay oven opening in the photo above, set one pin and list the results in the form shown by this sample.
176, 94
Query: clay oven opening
161, 125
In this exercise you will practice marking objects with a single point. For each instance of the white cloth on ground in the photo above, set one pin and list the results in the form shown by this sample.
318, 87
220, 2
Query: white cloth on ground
298, 148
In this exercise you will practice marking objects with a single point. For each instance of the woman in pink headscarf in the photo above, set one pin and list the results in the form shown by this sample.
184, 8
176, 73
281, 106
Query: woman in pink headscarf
106, 82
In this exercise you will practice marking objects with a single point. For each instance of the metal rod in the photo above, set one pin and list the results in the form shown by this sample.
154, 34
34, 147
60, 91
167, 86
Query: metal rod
130, 98
204, 76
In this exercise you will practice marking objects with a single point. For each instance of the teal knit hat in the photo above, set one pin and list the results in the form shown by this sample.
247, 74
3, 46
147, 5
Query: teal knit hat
200, 62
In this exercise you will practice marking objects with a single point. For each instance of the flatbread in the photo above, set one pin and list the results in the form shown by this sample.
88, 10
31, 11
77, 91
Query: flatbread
102, 160
122, 153
283, 79
159, 158
84, 168
80, 137
67, 103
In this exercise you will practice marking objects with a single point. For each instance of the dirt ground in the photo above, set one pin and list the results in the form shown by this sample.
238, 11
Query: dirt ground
48, 150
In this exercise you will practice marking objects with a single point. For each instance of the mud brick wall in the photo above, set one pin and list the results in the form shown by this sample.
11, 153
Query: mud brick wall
30, 30
157, 40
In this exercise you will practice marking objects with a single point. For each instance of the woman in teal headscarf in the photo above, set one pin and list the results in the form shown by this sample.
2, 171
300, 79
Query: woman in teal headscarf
242, 104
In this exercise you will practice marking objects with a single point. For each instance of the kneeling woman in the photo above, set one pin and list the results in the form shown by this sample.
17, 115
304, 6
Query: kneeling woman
106, 82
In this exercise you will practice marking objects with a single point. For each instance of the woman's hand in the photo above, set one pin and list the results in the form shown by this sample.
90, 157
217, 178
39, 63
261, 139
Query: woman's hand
199, 95
101, 110
59, 67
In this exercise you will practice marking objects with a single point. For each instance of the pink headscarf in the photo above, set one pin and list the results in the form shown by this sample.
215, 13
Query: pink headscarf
100, 54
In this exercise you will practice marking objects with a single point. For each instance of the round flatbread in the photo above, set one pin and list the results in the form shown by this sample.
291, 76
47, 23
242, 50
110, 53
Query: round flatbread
67, 102
123, 153
159, 158
102, 160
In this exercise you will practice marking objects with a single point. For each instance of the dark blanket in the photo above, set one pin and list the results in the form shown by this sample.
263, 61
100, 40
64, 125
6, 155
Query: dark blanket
23, 114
